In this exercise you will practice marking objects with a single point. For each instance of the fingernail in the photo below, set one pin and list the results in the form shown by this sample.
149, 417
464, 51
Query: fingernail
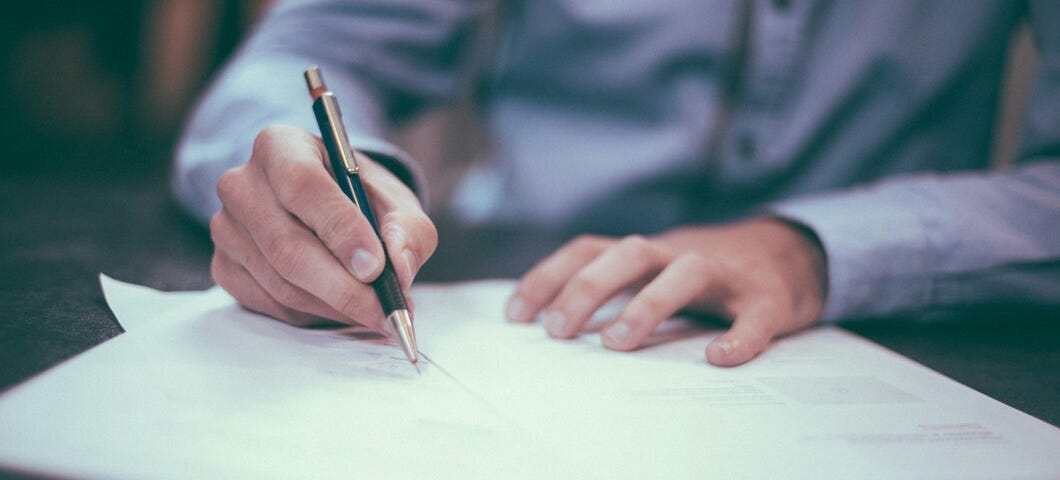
364, 264
555, 323
410, 266
724, 346
516, 309
617, 334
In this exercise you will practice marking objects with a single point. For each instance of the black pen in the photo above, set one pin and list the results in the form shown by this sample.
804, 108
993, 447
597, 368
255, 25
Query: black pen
344, 163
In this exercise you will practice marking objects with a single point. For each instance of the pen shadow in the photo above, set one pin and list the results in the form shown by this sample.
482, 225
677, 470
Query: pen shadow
354, 332
360, 333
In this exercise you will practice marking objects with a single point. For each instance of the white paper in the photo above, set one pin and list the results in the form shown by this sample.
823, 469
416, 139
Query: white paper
209, 390
134, 305
824, 403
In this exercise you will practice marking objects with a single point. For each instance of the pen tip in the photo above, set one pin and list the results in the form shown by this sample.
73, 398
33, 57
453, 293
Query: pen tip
401, 322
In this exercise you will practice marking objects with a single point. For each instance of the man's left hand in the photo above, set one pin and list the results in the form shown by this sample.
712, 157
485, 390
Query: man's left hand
765, 275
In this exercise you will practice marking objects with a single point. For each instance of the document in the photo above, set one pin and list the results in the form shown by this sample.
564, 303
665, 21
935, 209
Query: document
198, 387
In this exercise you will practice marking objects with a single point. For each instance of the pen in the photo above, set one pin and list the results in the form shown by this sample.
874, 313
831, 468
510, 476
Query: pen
344, 163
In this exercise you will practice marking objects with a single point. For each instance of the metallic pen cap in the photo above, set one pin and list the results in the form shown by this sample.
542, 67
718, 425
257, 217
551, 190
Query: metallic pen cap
401, 321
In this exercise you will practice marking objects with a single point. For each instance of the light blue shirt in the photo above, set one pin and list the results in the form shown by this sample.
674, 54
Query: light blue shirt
869, 122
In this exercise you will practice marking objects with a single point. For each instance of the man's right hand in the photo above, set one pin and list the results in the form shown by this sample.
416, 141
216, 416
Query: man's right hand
289, 244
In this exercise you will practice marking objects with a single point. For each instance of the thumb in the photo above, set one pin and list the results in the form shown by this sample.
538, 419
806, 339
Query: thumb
749, 335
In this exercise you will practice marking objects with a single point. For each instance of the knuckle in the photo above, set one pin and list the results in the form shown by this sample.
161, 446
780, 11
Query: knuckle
215, 221
586, 243
279, 149
216, 227
269, 136
639, 249
273, 285
285, 253
297, 178
585, 286
531, 286
337, 228
647, 304
425, 232
635, 244
546, 278
217, 271
694, 263
290, 296
350, 304
227, 184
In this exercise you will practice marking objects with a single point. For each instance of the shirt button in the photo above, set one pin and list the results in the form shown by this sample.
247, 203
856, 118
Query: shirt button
746, 146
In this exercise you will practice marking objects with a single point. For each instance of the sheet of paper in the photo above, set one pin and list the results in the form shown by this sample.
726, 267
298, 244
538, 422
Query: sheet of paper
134, 304
210, 390
820, 404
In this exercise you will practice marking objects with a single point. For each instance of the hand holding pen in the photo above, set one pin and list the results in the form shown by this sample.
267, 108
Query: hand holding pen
289, 243
345, 166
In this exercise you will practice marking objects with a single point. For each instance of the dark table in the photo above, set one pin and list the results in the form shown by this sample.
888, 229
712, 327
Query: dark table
58, 232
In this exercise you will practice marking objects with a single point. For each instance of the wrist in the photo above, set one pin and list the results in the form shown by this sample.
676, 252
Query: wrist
805, 253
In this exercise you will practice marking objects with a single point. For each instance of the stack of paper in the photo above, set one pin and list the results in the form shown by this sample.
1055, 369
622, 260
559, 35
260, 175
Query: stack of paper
206, 389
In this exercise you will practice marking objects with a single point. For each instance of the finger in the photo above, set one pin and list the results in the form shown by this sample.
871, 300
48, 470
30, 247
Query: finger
541, 284
232, 242
410, 239
627, 261
239, 283
685, 279
294, 252
293, 163
409, 234
751, 331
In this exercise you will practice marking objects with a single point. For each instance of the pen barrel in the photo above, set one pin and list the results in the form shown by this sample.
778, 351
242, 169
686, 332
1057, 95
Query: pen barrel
386, 286
388, 289
333, 144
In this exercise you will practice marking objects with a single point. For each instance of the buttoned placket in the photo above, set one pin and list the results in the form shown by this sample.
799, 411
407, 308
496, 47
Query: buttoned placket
776, 46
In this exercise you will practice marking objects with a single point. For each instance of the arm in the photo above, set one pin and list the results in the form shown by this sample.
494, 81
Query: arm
386, 60
936, 241
902, 244
287, 242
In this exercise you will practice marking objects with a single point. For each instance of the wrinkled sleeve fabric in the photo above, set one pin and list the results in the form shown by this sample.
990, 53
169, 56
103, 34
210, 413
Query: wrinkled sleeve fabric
937, 241
386, 60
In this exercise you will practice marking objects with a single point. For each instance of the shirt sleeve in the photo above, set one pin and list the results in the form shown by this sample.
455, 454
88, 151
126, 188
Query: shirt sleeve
928, 241
386, 60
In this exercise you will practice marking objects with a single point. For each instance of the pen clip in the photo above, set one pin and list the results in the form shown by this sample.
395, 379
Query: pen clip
346, 154
329, 117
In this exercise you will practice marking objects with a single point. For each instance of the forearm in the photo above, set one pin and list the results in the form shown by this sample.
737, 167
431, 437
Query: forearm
382, 58
221, 131
935, 241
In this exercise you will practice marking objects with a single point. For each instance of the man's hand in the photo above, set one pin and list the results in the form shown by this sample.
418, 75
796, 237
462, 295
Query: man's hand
289, 244
764, 275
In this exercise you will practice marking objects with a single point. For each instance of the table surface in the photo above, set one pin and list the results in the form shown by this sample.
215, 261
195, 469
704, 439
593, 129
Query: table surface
58, 233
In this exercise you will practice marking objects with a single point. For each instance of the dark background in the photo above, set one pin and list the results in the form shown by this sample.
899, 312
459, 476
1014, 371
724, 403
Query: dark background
92, 95
100, 87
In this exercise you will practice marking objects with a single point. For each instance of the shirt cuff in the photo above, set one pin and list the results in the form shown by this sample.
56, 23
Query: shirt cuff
396, 161
876, 252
